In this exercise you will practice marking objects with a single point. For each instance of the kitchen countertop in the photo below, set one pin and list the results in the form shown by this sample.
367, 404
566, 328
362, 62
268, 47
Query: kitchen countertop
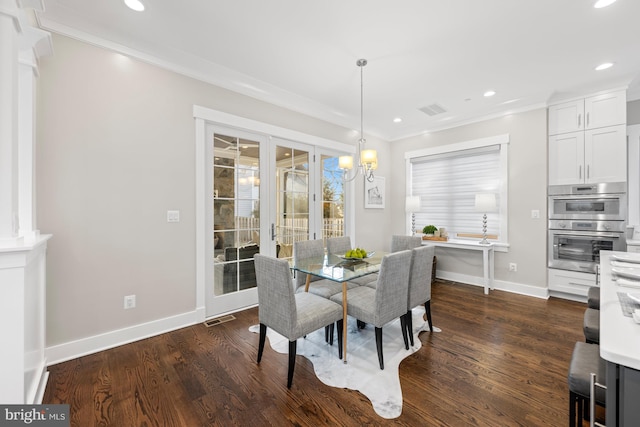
619, 335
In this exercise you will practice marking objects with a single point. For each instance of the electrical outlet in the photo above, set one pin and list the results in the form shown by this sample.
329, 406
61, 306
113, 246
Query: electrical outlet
513, 266
129, 302
535, 214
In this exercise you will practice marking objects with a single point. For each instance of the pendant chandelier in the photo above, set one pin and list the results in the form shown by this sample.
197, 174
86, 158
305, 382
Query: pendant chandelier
367, 159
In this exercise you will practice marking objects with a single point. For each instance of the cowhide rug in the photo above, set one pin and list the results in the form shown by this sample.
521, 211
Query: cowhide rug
362, 372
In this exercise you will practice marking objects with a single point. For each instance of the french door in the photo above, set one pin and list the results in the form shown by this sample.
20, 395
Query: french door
236, 186
262, 194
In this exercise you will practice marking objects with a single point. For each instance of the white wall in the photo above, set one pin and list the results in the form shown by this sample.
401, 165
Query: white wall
633, 112
115, 151
527, 191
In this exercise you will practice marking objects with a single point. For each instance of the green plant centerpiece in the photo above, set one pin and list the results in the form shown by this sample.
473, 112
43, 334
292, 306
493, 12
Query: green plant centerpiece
429, 230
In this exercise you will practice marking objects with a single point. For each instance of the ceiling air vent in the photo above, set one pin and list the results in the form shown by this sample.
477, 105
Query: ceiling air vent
433, 109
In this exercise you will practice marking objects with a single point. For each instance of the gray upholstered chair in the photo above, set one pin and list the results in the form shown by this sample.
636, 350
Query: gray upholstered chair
339, 246
385, 303
398, 243
403, 243
292, 315
420, 284
322, 287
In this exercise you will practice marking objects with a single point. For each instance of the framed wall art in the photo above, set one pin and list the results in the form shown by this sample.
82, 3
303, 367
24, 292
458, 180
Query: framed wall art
374, 195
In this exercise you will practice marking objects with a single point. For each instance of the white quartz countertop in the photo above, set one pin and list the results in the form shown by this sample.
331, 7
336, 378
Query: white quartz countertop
619, 335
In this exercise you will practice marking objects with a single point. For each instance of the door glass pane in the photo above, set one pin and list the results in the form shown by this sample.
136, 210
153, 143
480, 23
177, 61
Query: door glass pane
292, 204
236, 219
332, 198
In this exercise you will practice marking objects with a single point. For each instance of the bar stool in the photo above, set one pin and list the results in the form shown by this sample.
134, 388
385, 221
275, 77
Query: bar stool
593, 297
591, 326
585, 361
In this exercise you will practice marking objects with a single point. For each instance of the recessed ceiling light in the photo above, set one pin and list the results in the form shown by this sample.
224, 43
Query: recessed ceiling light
397, 120
134, 5
604, 66
603, 3
489, 93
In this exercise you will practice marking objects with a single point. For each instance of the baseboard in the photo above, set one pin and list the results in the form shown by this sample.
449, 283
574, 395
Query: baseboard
82, 347
516, 288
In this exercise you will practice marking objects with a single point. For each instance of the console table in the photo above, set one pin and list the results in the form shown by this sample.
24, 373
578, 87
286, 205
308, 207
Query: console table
487, 256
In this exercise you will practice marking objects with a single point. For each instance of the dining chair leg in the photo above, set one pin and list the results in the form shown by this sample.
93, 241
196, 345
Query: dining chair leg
427, 309
409, 323
361, 324
330, 333
263, 335
339, 326
292, 361
403, 326
326, 334
379, 346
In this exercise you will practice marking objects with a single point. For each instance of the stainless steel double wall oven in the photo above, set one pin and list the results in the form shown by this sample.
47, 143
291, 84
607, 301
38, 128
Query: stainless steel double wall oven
583, 220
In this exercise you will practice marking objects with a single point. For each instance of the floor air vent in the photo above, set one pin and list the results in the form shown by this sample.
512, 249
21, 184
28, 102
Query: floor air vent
218, 320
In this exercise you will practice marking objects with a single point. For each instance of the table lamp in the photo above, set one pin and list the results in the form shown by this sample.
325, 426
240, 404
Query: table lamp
485, 202
412, 205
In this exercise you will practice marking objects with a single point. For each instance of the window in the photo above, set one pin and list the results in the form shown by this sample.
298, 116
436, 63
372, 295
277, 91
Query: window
447, 179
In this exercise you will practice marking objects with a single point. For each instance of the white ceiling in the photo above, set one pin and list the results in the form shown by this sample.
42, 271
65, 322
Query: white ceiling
302, 54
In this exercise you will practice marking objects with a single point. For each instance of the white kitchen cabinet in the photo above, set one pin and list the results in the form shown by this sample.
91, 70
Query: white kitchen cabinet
573, 283
605, 154
566, 158
592, 156
603, 110
566, 117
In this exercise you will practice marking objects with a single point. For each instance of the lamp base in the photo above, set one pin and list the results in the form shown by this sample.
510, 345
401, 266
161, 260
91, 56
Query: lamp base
484, 240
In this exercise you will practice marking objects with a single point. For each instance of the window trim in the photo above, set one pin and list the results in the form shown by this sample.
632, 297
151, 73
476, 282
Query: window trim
503, 141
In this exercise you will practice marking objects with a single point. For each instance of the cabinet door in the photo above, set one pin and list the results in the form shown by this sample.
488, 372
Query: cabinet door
605, 154
566, 117
608, 109
566, 158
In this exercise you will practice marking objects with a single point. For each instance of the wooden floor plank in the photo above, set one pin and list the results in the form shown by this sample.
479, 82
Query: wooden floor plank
501, 359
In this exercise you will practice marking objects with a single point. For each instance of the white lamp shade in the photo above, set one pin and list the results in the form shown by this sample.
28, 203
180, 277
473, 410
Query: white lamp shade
345, 162
369, 156
412, 204
485, 202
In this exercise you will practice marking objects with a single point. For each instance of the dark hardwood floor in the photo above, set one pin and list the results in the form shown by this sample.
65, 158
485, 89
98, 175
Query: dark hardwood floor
500, 360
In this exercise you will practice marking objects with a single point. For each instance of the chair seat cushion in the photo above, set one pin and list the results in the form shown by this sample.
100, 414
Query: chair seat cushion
360, 303
591, 325
365, 280
585, 360
323, 287
313, 313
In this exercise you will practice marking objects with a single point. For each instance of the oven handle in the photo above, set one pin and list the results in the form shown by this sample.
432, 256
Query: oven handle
571, 197
582, 233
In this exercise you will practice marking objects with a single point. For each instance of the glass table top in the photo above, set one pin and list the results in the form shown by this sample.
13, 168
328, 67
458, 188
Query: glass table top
337, 268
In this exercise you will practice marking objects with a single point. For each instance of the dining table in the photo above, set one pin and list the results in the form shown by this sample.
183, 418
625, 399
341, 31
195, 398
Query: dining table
339, 268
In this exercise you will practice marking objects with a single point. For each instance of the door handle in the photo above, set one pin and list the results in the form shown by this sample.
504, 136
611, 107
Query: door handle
588, 172
273, 232
579, 120
587, 119
580, 172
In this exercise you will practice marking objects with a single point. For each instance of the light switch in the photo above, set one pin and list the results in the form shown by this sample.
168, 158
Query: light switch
535, 214
173, 216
